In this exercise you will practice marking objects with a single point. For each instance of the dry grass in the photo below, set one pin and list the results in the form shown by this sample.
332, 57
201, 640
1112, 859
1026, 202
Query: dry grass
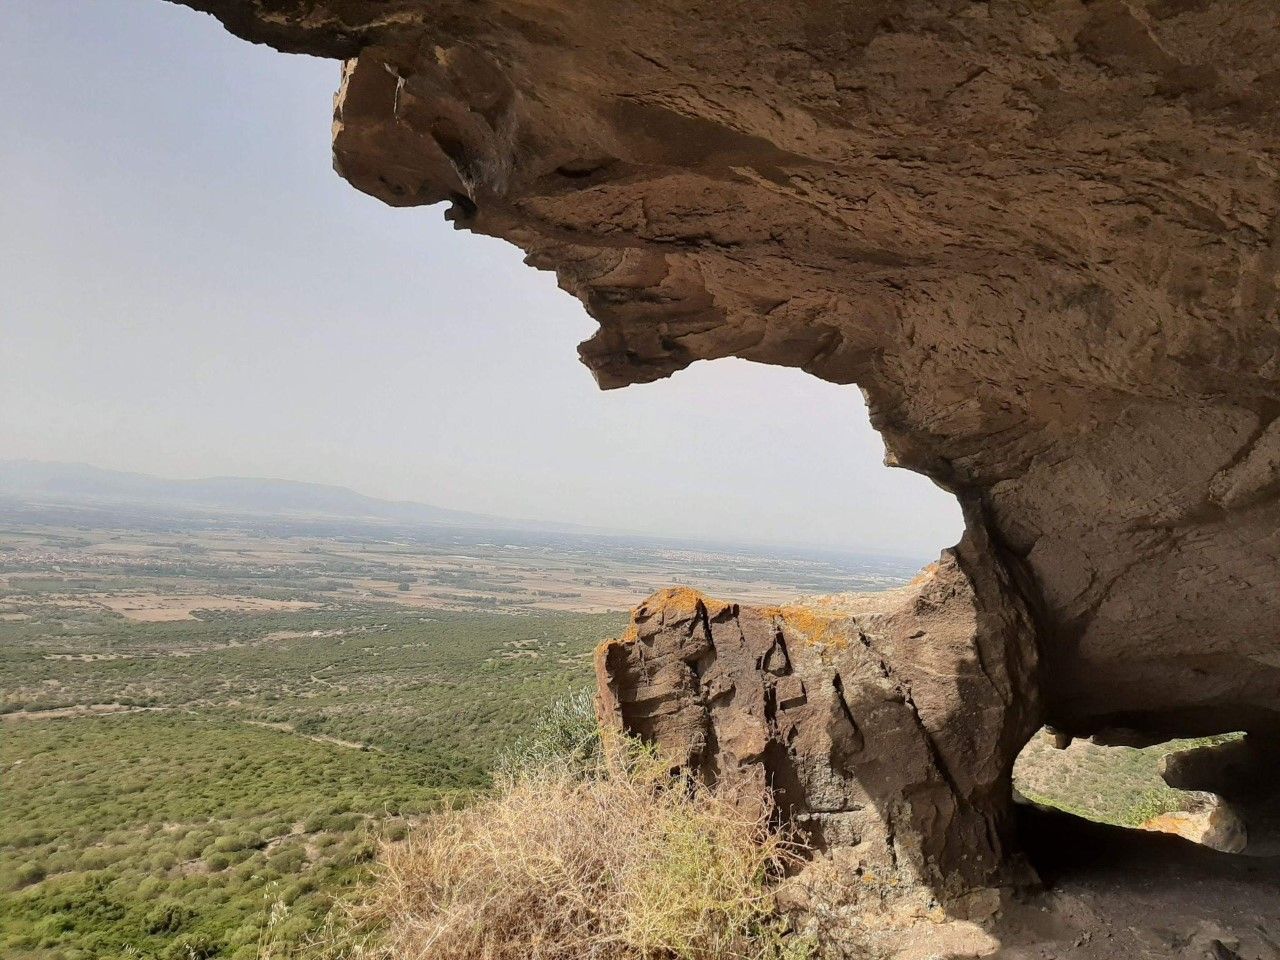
622, 863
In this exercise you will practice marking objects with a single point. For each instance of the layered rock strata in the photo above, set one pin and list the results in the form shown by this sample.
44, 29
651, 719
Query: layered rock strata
1043, 238
884, 725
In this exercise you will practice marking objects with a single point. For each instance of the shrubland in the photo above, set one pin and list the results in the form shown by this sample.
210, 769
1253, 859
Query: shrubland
367, 780
264, 759
582, 849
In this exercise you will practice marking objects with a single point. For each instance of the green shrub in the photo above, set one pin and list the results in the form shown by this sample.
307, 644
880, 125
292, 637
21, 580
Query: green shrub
218, 861
231, 843
194, 946
26, 875
193, 844
167, 916
566, 733
287, 859
395, 831
97, 858
297, 890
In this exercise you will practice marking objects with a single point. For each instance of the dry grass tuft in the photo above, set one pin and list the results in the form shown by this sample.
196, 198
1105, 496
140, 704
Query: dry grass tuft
621, 862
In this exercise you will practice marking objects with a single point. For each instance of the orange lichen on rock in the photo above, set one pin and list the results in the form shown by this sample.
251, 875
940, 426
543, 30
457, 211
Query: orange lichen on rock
1211, 823
670, 605
812, 624
677, 603
928, 572
831, 704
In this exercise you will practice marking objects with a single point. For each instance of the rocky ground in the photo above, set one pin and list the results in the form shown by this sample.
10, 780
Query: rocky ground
1100, 893
1116, 894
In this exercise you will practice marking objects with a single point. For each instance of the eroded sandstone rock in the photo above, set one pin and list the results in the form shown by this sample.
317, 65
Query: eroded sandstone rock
1042, 237
884, 725
1245, 774
1210, 822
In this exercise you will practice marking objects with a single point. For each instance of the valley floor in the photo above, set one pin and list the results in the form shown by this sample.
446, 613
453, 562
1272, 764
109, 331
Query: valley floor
204, 735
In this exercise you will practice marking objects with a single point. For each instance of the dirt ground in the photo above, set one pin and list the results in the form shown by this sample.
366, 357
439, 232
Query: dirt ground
1116, 894
159, 608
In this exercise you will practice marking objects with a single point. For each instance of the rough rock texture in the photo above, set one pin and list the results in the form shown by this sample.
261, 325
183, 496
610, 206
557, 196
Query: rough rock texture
1245, 773
1043, 236
1119, 894
1211, 823
884, 724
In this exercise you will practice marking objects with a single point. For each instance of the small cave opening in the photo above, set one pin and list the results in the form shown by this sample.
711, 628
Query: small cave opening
1201, 789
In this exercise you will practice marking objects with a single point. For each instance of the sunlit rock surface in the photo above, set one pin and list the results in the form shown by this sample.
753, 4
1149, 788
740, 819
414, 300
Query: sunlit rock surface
884, 725
1044, 240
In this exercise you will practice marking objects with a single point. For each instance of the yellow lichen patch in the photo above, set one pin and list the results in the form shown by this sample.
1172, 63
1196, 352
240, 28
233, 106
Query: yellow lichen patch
812, 624
673, 603
678, 603
927, 573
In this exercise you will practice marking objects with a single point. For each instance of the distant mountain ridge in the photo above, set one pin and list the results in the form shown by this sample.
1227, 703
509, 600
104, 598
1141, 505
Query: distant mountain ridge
81, 482
47, 484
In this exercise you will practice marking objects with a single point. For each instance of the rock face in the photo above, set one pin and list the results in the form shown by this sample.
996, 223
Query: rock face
1042, 237
1211, 823
885, 725
1245, 775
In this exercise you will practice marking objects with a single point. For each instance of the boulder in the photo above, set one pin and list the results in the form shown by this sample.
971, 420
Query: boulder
883, 725
1210, 823
1042, 238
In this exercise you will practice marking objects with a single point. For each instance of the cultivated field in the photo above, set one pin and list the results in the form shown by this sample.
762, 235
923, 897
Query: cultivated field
206, 725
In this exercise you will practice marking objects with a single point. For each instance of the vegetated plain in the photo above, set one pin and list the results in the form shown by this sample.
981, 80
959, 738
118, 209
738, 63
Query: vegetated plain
209, 722
166, 798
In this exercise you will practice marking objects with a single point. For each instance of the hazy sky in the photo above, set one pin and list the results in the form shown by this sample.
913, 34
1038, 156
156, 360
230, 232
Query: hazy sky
187, 289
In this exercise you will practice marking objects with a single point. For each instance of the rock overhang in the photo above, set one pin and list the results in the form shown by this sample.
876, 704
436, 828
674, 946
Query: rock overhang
1043, 239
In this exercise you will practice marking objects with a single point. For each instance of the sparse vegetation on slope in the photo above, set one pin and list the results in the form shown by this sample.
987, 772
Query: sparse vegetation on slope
235, 801
170, 835
578, 856
208, 727
210, 787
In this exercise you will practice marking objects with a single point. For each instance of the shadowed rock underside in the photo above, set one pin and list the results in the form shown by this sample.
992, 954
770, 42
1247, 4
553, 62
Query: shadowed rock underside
1042, 237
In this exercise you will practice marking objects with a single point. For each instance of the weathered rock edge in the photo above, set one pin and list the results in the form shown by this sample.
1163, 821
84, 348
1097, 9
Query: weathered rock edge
1043, 238
883, 724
